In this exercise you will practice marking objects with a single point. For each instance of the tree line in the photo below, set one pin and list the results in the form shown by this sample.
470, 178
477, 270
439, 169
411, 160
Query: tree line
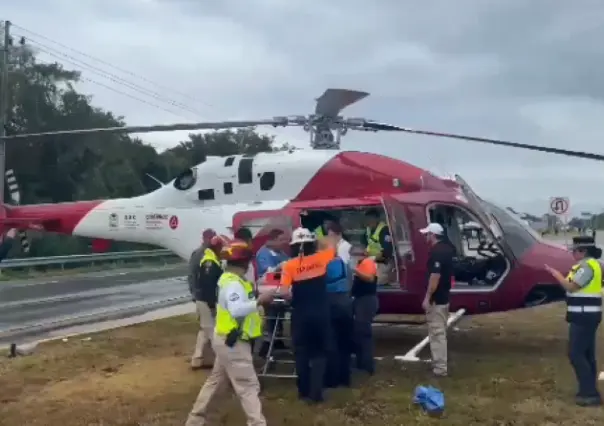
53, 169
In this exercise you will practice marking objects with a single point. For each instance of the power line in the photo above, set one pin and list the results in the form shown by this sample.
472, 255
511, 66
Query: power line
115, 67
112, 77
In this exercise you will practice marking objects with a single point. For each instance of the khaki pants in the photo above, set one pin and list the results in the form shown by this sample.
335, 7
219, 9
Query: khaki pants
437, 316
203, 356
232, 365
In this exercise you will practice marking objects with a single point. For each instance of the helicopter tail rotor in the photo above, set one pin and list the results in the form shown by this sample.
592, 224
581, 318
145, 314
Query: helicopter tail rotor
15, 195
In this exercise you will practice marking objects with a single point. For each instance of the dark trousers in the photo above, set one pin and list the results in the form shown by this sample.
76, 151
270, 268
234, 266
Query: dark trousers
582, 355
340, 352
310, 337
364, 309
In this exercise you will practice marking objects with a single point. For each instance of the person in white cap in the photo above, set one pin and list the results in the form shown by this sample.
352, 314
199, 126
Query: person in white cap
436, 300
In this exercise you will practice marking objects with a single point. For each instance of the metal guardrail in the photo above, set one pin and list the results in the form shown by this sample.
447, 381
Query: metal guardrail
32, 262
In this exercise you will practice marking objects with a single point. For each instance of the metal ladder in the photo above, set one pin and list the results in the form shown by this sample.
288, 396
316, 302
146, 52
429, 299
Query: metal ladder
275, 357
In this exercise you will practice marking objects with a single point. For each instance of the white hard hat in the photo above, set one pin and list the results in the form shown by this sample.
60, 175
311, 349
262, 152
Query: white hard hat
302, 235
433, 228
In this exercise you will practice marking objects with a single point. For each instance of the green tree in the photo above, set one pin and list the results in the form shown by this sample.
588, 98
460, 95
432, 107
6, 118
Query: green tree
42, 97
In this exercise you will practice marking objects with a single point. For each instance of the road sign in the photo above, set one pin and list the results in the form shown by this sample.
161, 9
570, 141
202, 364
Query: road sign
559, 205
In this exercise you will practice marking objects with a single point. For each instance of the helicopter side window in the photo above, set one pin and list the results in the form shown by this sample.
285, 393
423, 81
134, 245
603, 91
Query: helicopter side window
267, 181
186, 180
245, 172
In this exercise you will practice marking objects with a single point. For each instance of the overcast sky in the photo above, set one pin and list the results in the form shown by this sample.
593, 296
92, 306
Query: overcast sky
527, 71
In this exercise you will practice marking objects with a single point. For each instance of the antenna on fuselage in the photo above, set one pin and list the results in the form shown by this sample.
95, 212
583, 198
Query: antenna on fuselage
155, 179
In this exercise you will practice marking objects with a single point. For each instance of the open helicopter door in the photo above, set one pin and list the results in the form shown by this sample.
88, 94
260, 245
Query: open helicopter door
484, 215
399, 224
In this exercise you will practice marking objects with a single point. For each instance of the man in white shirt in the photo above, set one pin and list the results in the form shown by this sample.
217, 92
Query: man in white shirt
334, 230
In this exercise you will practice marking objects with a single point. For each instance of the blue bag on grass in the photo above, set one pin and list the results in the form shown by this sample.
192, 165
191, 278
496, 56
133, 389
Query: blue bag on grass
430, 399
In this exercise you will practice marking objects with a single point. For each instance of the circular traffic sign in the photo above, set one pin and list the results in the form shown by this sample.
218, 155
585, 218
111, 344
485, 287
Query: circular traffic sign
173, 223
559, 205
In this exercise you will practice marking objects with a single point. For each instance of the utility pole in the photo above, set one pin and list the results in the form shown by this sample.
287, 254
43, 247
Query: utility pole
4, 101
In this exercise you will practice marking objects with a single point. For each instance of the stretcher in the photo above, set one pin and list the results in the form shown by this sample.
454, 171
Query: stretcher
276, 358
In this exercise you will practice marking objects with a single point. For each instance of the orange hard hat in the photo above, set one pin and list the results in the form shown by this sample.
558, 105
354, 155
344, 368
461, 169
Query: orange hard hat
366, 269
237, 250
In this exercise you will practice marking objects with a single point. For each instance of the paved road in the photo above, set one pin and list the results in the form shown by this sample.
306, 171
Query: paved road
27, 304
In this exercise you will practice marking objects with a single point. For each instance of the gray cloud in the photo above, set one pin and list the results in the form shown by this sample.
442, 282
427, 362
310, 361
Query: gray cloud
518, 70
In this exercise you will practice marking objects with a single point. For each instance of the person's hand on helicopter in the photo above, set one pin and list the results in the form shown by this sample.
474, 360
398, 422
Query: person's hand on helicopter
11, 233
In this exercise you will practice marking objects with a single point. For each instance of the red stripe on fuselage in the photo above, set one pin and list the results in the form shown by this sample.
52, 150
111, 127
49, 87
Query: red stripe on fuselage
61, 218
361, 174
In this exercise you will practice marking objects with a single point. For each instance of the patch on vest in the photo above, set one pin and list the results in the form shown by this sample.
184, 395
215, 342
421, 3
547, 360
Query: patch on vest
388, 238
234, 297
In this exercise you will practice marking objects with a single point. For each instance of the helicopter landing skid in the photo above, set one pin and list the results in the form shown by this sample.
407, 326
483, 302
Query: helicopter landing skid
412, 355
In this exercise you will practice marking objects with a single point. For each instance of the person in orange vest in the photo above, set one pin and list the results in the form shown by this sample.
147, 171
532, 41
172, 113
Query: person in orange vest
365, 307
303, 278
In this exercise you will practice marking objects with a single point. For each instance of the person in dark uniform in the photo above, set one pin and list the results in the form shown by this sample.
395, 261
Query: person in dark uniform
365, 306
7, 243
205, 293
304, 277
436, 300
196, 258
378, 243
583, 286
340, 310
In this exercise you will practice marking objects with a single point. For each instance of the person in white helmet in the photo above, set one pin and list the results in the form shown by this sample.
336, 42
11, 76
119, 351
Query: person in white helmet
305, 277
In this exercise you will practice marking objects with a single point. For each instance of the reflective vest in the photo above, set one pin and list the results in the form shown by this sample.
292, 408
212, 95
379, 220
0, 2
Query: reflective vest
250, 326
319, 232
374, 247
586, 303
211, 256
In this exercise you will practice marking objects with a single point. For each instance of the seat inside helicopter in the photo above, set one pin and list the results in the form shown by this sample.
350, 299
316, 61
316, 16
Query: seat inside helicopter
480, 261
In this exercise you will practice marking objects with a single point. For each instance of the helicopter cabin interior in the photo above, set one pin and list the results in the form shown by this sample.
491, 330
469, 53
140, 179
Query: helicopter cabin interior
480, 263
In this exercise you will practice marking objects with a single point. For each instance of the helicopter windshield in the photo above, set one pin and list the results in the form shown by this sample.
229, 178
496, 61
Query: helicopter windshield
518, 234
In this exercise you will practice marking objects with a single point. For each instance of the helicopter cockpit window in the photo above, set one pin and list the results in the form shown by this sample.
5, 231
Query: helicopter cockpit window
519, 236
186, 180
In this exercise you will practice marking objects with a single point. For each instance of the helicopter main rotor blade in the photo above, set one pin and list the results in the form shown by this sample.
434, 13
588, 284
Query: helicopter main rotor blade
332, 101
157, 128
370, 125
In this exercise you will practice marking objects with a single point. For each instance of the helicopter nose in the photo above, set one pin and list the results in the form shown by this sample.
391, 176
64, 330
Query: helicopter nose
555, 255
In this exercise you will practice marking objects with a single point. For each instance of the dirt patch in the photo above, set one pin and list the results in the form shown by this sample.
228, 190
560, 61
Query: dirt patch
506, 369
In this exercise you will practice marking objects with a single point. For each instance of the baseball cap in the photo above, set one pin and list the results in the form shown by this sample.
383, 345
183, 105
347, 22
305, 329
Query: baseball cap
433, 228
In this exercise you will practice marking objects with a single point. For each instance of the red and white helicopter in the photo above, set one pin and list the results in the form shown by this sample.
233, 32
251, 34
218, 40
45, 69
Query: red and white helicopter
284, 190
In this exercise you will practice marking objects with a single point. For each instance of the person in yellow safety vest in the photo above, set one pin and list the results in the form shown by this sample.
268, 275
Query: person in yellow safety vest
583, 286
378, 243
321, 230
238, 323
204, 291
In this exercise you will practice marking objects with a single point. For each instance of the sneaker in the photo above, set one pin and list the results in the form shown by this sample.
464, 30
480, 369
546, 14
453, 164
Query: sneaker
593, 401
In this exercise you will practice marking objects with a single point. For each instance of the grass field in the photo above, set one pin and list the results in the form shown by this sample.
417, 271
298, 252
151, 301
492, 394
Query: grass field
506, 369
